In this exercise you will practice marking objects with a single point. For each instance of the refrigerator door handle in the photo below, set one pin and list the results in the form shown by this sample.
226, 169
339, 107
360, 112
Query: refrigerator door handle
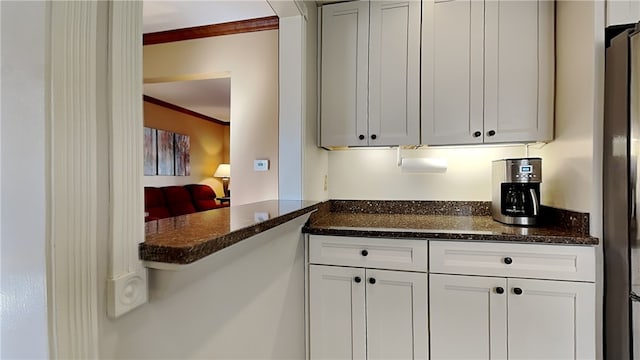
634, 297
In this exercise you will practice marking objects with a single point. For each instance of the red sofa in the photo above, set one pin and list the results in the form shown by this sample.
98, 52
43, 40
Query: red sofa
167, 201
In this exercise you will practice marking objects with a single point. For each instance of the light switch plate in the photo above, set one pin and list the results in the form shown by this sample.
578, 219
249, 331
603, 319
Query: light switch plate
260, 165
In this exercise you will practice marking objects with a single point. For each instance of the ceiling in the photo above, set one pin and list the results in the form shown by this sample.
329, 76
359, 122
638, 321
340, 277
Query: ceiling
161, 15
211, 97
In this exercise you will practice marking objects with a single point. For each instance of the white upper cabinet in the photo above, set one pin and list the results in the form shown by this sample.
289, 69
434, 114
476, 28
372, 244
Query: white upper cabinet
623, 12
452, 72
370, 73
394, 68
345, 72
487, 71
519, 71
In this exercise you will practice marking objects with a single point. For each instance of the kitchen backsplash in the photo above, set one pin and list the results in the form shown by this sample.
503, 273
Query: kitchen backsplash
363, 174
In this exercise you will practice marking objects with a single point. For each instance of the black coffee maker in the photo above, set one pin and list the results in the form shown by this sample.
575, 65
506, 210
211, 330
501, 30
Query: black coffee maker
516, 191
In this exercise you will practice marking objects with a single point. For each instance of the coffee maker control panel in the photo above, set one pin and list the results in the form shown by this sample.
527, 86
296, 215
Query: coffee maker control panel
523, 170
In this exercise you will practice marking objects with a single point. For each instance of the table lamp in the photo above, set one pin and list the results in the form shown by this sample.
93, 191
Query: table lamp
224, 171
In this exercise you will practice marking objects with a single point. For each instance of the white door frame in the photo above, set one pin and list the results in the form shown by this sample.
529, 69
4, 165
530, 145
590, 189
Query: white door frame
76, 75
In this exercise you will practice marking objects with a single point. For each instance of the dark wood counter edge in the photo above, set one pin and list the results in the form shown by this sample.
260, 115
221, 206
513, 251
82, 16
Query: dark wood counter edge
426, 235
187, 255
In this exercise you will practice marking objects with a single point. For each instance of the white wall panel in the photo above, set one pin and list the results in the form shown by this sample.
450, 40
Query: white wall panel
572, 162
374, 174
291, 120
23, 300
244, 302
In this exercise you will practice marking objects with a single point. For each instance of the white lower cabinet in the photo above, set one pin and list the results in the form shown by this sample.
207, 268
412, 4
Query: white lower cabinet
357, 313
337, 325
396, 315
550, 319
468, 319
360, 312
485, 300
474, 316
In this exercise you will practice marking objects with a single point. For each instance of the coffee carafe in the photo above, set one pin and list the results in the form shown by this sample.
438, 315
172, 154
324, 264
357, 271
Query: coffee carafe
516, 191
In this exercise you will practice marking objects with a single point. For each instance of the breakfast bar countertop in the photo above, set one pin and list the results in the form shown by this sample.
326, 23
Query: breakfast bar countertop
184, 239
455, 220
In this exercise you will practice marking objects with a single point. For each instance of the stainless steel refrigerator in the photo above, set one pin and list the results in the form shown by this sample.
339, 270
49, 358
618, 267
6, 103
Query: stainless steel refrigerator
621, 191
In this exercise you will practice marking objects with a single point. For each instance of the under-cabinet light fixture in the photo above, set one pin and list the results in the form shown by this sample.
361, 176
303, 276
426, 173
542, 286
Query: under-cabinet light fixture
421, 165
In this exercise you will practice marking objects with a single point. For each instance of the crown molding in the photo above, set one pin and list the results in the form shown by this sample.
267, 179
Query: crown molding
198, 32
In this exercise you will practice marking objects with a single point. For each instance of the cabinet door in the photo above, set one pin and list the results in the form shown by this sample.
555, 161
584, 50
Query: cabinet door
468, 317
396, 315
623, 12
519, 70
344, 73
452, 72
551, 319
336, 313
394, 73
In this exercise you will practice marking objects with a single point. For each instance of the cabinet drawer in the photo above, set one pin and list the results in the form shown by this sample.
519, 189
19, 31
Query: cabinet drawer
394, 254
558, 262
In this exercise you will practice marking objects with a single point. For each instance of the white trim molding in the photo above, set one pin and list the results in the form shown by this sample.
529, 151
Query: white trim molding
127, 277
289, 8
73, 211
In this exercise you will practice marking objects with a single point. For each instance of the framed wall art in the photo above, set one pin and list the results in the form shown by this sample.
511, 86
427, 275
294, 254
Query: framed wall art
150, 152
166, 153
166, 163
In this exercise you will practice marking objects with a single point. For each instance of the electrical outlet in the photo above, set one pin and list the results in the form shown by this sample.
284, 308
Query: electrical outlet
326, 182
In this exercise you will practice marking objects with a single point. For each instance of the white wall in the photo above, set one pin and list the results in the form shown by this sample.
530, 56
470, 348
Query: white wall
374, 174
316, 161
303, 166
23, 292
290, 124
573, 161
245, 302
252, 60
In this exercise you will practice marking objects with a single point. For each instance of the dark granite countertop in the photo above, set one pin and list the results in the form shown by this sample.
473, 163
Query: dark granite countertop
454, 220
187, 238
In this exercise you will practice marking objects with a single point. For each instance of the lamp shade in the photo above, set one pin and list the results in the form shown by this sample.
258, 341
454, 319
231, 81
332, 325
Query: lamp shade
223, 171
